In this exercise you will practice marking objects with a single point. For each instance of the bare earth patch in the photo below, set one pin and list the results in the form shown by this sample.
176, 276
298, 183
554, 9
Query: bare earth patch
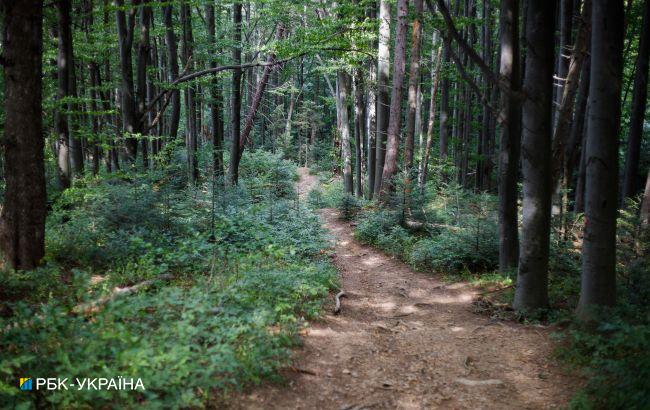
406, 340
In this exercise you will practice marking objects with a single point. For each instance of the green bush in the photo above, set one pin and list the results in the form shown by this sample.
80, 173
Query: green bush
246, 273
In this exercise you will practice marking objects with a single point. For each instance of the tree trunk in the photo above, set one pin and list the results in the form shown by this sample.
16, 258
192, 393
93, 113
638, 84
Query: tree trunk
344, 130
639, 101
216, 102
187, 52
130, 118
414, 81
235, 106
395, 120
510, 119
532, 275
383, 104
566, 16
22, 219
170, 40
598, 287
645, 206
444, 105
359, 129
567, 99
142, 61
435, 76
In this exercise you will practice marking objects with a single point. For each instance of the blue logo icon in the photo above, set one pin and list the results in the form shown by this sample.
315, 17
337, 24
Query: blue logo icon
25, 383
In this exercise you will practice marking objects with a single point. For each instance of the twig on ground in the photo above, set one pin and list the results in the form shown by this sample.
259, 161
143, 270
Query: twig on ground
338, 297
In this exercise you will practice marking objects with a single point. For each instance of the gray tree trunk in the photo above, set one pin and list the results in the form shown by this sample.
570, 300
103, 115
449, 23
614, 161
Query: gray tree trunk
509, 144
383, 104
395, 120
598, 287
532, 275
22, 219
344, 130
639, 102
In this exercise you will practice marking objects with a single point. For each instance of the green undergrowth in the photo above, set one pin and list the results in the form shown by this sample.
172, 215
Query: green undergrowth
234, 287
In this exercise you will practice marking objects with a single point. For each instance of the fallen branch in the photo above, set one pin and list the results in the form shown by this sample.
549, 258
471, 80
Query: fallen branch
338, 297
94, 306
496, 290
416, 225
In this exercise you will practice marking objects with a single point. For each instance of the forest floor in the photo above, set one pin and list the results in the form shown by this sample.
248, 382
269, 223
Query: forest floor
409, 340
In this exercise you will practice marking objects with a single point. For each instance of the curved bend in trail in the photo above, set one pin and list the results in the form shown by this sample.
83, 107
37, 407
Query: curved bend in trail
405, 340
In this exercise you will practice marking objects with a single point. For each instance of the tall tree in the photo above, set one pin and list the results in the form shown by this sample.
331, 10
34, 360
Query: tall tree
639, 102
532, 275
395, 119
598, 286
187, 56
383, 102
22, 219
172, 70
342, 80
216, 117
130, 118
509, 143
70, 158
235, 103
414, 82
436, 58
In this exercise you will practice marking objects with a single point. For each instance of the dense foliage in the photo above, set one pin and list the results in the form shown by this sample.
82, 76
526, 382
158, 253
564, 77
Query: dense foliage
239, 290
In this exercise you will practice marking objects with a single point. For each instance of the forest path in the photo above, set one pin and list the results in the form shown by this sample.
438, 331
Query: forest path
406, 340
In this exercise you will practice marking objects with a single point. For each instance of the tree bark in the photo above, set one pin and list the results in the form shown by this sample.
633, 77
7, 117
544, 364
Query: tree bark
216, 102
435, 77
444, 106
22, 219
344, 130
170, 40
532, 275
235, 106
383, 104
187, 53
395, 119
510, 119
359, 129
568, 97
142, 61
645, 206
598, 286
414, 81
639, 102
130, 118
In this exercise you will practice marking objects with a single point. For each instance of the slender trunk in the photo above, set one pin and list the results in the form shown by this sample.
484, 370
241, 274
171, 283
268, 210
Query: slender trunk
532, 275
565, 55
216, 102
639, 101
444, 105
125, 27
510, 118
435, 76
395, 120
598, 286
187, 57
414, 81
22, 218
170, 40
567, 101
142, 61
645, 206
383, 107
235, 114
359, 129
344, 130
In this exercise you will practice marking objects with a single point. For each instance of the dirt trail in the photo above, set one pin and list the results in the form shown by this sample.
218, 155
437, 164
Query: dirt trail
406, 340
